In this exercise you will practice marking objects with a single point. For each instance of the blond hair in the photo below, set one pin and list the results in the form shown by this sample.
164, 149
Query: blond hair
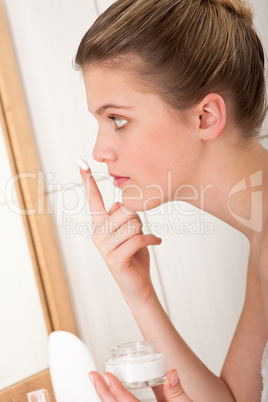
185, 50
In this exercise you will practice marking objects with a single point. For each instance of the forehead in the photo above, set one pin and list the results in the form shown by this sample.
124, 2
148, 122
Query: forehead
103, 83
108, 79
113, 86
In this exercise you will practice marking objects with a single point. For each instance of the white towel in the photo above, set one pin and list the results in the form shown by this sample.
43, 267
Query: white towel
264, 371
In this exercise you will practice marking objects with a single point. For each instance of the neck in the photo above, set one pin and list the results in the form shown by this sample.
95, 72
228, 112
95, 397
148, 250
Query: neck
234, 184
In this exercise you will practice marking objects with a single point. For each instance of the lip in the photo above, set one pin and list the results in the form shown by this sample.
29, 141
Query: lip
118, 181
116, 175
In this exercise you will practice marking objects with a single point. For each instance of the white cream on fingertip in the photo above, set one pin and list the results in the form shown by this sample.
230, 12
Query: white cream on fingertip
83, 164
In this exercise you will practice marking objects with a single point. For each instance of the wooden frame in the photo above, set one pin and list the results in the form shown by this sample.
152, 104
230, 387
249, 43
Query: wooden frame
38, 226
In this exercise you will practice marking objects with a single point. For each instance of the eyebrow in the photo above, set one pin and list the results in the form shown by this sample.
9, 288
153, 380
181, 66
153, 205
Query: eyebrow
111, 105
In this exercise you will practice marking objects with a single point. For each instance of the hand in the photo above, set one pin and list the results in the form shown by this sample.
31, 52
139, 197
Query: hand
110, 389
119, 238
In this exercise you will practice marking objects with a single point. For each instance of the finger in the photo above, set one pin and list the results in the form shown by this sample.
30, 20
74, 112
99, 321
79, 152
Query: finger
120, 236
159, 393
117, 389
120, 217
93, 194
139, 241
128, 230
173, 390
101, 387
126, 250
115, 207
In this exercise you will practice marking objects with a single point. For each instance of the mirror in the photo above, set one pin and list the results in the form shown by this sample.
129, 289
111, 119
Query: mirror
33, 295
24, 335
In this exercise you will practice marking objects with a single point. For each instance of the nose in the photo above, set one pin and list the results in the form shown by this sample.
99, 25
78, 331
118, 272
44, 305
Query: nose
104, 150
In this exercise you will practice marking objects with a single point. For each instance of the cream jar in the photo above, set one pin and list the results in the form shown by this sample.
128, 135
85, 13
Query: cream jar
137, 364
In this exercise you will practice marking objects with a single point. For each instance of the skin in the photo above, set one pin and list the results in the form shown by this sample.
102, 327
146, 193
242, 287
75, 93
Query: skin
198, 148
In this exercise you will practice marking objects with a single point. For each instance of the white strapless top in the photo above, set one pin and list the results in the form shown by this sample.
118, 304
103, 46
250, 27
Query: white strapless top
264, 371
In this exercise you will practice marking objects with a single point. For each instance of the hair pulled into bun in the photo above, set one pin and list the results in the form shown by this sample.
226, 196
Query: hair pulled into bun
238, 8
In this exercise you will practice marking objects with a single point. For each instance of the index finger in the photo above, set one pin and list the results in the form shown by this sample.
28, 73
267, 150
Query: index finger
93, 193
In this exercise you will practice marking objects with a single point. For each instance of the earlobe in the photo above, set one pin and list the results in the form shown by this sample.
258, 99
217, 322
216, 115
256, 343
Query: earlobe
212, 117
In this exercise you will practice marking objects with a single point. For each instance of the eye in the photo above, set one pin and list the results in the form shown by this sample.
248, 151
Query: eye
118, 122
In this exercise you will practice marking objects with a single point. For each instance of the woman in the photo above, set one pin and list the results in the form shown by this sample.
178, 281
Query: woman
178, 88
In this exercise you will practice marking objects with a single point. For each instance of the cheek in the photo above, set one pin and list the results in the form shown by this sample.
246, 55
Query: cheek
153, 152
151, 167
145, 151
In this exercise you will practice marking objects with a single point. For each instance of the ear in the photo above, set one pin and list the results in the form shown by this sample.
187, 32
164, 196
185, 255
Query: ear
212, 117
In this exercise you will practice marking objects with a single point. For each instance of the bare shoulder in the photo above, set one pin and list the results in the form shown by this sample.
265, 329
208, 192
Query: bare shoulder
263, 257
259, 248
263, 247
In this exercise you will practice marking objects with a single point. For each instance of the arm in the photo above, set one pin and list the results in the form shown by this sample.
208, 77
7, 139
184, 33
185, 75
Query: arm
199, 383
240, 378
242, 367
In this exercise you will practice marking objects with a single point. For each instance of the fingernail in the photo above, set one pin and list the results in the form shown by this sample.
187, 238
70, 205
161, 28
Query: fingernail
107, 380
174, 379
83, 164
91, 379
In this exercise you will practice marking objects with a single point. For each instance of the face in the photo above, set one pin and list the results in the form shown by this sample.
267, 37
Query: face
139, 139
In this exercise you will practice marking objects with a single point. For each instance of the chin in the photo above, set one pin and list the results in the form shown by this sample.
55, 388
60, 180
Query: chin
141, 199
140, 205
